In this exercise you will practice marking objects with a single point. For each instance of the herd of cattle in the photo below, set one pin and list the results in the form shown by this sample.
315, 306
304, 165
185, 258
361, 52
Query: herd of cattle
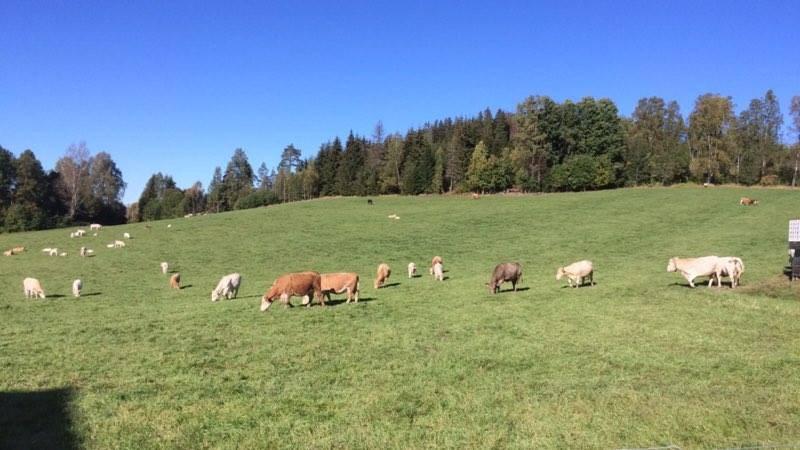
320, 286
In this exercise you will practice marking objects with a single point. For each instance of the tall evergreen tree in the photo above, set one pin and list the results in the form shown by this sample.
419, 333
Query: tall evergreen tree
529, 145
328, 161
237, 180
290, 158
351, 166
31, 189
216, 191
8, 178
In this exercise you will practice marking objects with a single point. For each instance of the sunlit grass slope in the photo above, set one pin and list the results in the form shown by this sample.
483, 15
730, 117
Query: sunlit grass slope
639, 360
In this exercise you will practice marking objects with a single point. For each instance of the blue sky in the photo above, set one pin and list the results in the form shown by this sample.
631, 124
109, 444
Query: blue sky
177, 86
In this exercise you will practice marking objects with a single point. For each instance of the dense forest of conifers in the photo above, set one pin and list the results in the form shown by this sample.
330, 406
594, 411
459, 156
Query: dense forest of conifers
542, 146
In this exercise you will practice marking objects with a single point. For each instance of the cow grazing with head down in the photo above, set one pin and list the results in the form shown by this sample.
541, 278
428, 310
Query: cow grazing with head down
339, 283
577, 273
298, 284
175, 281
505, 272
382, 274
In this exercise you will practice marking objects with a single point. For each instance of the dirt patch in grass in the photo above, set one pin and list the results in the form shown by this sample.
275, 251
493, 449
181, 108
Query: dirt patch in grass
778, 286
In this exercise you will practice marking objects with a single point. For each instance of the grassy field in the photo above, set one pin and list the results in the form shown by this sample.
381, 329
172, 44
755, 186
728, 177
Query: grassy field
639, 360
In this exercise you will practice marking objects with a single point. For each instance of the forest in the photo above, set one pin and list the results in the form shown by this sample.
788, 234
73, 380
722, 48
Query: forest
541, 146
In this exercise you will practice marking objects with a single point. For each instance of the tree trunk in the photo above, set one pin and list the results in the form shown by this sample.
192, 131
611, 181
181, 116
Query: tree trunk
794, 176
738, 162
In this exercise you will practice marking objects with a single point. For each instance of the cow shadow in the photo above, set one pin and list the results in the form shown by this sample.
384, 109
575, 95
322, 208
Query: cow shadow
388, 285
56, 295
519, 289
186, 286
696, 285
337, 301
579, 286
37, 419
91, 294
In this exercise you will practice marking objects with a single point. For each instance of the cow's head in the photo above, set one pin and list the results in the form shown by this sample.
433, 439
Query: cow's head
266, 302
671, 267
560, 273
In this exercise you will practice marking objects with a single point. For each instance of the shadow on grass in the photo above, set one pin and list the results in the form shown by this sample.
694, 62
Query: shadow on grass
39, 419
584, 285
388, 285
56, 295
336, 301
186, 286
91, 294
519, 289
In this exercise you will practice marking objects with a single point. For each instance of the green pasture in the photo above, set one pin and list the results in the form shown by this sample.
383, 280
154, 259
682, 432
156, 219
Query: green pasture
639, 360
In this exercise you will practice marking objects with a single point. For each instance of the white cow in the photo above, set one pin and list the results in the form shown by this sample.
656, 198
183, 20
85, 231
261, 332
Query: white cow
32, 288
164, 267
438, 272
119, 244
577, 272
692, 268
412, 270
730, 266
95, 226
227, 287
126, 235
77, 285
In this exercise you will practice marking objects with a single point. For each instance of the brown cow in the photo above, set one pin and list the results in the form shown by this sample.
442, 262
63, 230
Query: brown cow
746, 201
340, 282
505, 272
382, 275
175, 281
434, 261
298, 284
475, 196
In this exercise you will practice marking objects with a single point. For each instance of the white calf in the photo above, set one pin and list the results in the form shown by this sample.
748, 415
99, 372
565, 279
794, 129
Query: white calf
77, 285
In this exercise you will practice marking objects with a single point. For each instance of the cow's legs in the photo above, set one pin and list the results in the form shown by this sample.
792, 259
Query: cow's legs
320, 298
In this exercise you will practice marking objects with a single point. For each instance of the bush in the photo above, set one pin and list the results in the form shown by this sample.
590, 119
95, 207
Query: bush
257, 198
581, 173
24, 217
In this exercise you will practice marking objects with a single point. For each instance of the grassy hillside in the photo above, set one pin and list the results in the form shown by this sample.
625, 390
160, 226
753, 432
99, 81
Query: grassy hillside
639, 360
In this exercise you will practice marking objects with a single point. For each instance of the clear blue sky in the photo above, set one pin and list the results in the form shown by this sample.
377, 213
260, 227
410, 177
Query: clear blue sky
177, 86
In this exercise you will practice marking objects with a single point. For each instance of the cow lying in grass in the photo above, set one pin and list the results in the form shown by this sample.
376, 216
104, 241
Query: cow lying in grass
298, 284
747, 201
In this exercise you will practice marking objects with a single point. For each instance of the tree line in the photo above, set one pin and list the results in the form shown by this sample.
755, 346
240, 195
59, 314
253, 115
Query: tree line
541, 146
81, 188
